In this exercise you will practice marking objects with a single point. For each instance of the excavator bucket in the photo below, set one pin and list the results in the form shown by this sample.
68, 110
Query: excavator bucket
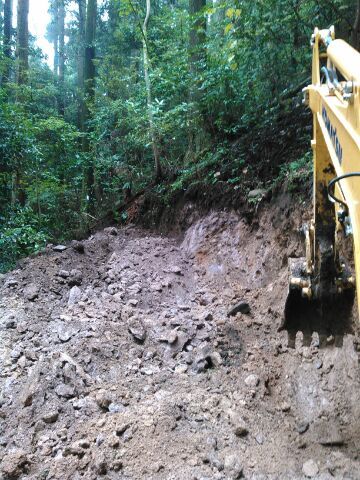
330, 317
321, 287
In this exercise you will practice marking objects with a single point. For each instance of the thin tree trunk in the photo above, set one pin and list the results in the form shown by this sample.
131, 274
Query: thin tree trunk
90, 34
22, 54
217, 19
55, 13
56, 57
154, 140
8, 11
22, 48
197, 35
197, 59
81, 63
61, 31
89, 82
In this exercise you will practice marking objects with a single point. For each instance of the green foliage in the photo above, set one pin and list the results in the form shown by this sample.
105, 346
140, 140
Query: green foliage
21, 234
296, 173
242, 96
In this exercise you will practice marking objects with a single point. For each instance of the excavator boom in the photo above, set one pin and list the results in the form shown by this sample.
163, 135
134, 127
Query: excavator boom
322, 286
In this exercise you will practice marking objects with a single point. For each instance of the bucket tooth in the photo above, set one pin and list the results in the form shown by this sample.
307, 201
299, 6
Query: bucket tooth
322, 340
291, 339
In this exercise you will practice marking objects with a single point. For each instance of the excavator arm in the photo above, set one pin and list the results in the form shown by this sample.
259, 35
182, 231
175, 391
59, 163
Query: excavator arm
322, 286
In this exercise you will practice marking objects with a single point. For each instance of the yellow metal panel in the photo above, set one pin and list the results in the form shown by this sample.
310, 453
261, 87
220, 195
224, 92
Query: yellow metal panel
346, 59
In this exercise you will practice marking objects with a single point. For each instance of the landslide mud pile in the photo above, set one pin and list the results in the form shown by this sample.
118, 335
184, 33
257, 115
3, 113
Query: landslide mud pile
138, 356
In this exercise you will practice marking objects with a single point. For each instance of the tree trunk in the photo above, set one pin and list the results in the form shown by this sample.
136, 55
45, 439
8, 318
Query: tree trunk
89, 83
113, 11
154, 140
61, 32
22, 47
90, 34
8, 11
217, 19
197, 35
56, 57
81, 62
355, 37
197, 59
55, 13
22, 54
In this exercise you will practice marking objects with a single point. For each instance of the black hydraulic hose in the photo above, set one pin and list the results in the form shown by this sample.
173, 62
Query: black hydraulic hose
333, 182
334, 79
331, 77
326, 72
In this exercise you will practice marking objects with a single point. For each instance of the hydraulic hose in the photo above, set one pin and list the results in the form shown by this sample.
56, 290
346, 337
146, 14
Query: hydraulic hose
331, 78
331, 188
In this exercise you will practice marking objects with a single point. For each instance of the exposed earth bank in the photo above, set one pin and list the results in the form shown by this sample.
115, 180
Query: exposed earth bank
134, 355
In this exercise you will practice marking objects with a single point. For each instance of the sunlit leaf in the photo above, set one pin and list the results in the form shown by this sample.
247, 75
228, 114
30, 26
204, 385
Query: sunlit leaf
228, 28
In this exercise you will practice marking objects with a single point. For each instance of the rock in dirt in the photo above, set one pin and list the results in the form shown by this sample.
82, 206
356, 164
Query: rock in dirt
202, 360
302, 427
14, 465
59, 248
310, 469
100, 466
176, 270
76, 277
240, 307
65, 335
74, 296
66, 391
239, 425
258, 192
240, 428
51, 417
233, 467
10, 323
252, 381
285, 407
206, 358
31, 292
178, 345
111, 231
215, 462
103, 399
27, 399
64, 274
121, 428
328, 434
200, 365
172, 337
138, 331
215, 359
182, 368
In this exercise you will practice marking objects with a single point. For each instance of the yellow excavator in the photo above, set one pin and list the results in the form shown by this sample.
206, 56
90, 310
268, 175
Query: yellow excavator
322, 286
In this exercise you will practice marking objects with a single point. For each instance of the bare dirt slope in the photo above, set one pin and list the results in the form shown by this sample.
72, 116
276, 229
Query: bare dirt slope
121, 362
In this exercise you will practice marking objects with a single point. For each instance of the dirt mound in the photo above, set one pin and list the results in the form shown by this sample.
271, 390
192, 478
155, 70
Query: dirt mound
133, 355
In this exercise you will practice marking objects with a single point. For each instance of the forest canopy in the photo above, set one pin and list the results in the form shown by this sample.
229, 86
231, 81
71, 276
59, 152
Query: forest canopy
144, 94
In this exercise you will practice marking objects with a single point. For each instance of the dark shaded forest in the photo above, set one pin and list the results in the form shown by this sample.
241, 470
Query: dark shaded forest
150, 95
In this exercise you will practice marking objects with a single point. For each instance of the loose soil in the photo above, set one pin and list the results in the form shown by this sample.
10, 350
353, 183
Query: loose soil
119, 360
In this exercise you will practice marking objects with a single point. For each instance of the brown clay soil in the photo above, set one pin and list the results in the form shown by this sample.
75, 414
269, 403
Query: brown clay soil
121, 362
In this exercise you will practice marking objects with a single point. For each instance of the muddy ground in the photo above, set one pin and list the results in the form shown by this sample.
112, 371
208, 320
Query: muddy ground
119, 360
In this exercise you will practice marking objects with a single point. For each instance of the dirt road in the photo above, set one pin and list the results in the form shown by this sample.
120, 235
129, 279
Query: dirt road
119, 360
